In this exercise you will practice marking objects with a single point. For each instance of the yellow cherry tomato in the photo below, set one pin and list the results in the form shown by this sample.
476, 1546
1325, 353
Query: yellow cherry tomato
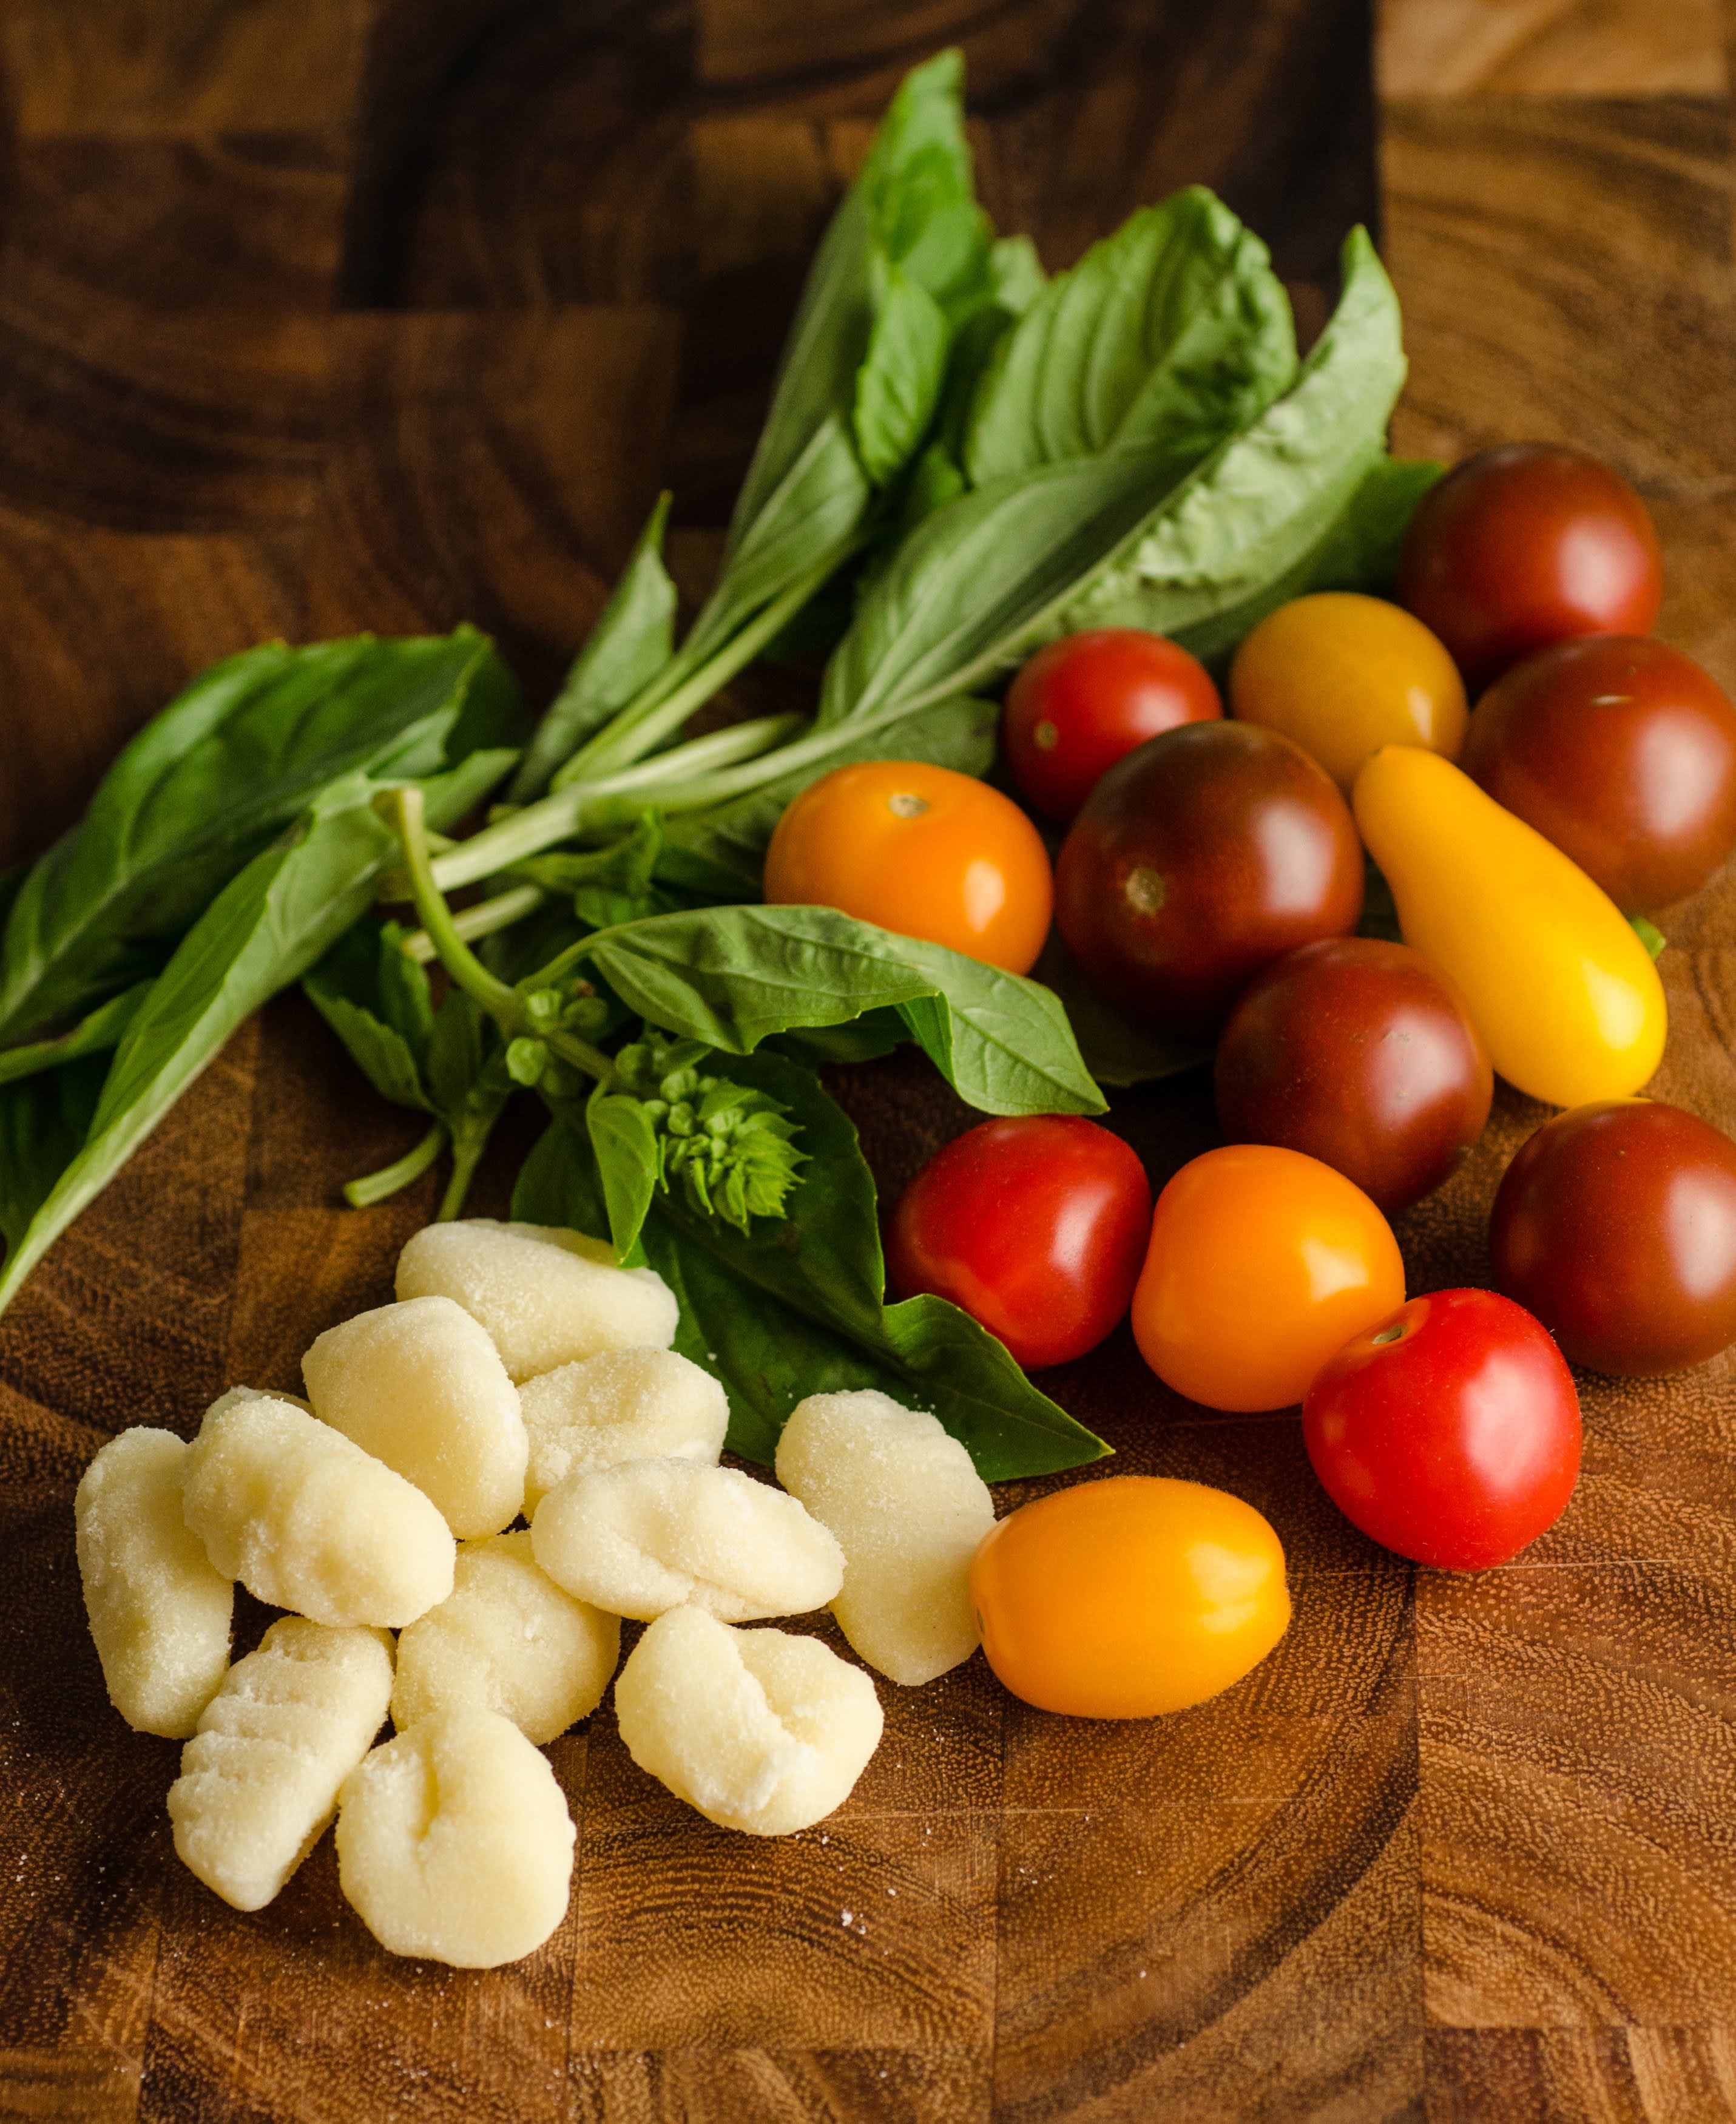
1564, 994
1342, 675
1263, 1263
921, 850
1129, 1596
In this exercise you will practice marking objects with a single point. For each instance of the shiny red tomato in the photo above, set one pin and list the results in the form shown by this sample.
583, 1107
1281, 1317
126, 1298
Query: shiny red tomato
1622, 752
1449, 1433
1616, 1225
1526, 545
1036, 1227
1082, 702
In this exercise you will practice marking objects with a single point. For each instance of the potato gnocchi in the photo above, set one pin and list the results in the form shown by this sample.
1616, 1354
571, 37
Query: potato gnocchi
644, 1404
160, 1612
506, 1639
649, 1535
454, 1842
258, 1780
546, 1295
762, 1731
421, 1388
908, 1509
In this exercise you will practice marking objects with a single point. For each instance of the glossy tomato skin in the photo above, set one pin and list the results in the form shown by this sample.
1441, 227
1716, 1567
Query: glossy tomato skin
1450, 1433
1198, 859
1036, 1226
1129, 1596
920, 850
1361, 1053
1616, 1224
1621, 751
1526, 545
1262, 1262
1085, 701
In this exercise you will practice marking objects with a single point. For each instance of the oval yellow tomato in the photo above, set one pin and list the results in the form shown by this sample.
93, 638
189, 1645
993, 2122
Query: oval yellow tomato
1564, 994
1341, 675
1129, 1596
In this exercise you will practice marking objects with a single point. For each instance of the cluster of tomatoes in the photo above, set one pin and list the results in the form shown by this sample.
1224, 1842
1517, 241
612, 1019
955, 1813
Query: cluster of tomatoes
1210, 880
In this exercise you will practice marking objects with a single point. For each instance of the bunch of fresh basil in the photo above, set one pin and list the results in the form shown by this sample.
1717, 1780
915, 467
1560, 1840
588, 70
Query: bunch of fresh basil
962, 461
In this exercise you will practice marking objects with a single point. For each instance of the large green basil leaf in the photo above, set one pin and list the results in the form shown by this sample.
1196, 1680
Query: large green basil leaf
44, 1120
797, 1307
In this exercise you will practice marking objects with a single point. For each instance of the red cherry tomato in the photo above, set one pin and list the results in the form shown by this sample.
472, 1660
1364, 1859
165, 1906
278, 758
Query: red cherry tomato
1616, 1225
1526, 545
1036, 1227
1450, 1433
1083, 702
1622, 752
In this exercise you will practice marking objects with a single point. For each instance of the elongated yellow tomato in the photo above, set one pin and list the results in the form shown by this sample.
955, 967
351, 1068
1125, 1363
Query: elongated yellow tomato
1564, 994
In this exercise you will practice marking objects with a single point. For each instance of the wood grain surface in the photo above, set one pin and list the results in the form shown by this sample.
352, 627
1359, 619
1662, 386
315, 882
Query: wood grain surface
321, 314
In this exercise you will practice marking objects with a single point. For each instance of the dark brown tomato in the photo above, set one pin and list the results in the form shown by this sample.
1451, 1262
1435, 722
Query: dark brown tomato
1358, 1052
1622, 752
1198, 859
1616, 1224
1526, 545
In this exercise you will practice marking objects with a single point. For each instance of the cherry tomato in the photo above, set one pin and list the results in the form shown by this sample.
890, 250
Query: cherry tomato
1341, 675
1035, 1227
1616, 1224
1621, 751
1450, 1433
1526, 545
1262, 1263
1199, 859
920, 850
1083, 702
1361, 1053
1128, 1596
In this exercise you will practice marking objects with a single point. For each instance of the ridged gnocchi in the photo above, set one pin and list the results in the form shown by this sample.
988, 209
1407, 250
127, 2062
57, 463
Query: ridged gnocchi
160, 1612
761, 1730
258, 1780
648, 1535
644, 1404
908, 1509
546, 1296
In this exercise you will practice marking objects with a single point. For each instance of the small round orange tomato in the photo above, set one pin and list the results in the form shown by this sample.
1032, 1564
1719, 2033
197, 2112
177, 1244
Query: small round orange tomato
1129, 1596
920, 850
1341, 675
1263, 1263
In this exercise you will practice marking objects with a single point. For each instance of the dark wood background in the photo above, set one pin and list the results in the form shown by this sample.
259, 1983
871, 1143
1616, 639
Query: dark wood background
323, 314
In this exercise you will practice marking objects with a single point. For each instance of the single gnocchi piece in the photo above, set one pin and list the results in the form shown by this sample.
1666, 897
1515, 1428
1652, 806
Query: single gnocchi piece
761, 1730
908, 1509
646, 1404
258, 1780
547, 1296
421, 1387
507, 1639
454, 1842
160, 1612
647, 1535
307, 1520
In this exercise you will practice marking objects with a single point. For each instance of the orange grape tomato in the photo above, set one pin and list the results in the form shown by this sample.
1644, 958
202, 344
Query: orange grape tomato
921, 850
1341, 675
1263, 1263
1129, 1596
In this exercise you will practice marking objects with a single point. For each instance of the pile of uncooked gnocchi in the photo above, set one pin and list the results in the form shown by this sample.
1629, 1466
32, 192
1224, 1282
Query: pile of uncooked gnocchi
519, 1373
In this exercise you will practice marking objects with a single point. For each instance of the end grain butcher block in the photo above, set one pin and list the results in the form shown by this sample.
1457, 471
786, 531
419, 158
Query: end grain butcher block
325, 315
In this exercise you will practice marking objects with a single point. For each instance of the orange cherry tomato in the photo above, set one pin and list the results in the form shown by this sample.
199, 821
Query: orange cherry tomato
920, 850
1128, 1596
1263, 1264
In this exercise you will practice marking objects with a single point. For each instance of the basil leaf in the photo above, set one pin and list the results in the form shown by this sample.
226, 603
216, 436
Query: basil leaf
44, 1120
900, 383
1115, 1051
1174, 331
634, 637
796, 1307
624, 1144
206, 784
732, 976
1361, 550
381, 1053
95, 1034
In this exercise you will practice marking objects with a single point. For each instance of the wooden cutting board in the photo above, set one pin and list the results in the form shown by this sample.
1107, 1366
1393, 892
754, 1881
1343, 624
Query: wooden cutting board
324, 314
